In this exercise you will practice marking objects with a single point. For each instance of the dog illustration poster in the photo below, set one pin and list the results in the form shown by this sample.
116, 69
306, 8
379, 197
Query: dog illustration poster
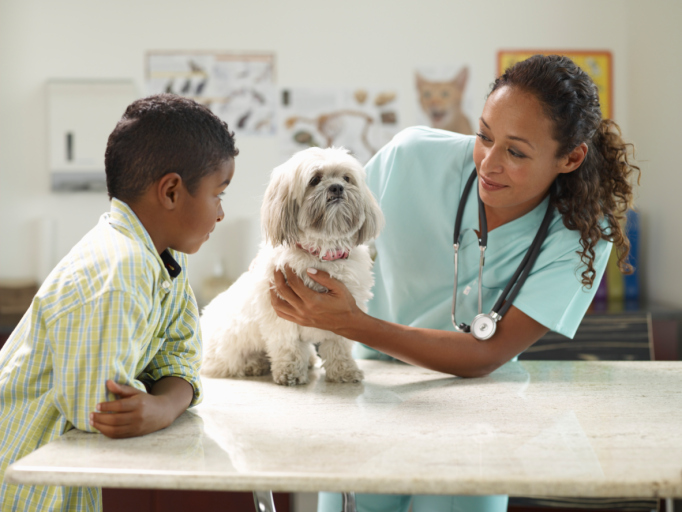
361, 120
239, 89
443, 96
597, 64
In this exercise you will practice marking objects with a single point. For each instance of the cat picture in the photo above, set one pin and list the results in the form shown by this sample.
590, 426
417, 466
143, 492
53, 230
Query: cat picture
441, 101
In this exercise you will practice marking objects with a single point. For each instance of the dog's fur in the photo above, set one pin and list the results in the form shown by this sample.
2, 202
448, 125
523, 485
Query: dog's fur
318, 199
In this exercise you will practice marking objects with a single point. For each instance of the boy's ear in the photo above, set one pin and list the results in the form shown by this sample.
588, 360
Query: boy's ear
168, 189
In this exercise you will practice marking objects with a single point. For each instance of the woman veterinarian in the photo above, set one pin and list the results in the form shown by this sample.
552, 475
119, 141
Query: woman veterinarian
541, 148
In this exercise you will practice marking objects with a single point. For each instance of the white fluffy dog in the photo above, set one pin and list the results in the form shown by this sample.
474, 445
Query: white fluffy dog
317, 212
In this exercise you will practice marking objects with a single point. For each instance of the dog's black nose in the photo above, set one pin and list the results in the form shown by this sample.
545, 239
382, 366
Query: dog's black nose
336, 190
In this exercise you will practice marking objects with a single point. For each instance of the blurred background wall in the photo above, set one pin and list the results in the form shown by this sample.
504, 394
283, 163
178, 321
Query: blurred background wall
318, 43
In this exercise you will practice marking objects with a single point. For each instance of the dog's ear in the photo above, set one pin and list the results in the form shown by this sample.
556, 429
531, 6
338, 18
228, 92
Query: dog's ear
279, 212
374, 218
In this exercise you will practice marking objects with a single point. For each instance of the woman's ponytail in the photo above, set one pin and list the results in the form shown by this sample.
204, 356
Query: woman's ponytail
616, 197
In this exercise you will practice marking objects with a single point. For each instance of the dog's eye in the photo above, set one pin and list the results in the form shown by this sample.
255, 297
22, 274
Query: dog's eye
346, 179
315, 181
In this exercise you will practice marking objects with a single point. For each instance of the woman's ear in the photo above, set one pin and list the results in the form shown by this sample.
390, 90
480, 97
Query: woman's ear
168, 189
574, 159
279, 212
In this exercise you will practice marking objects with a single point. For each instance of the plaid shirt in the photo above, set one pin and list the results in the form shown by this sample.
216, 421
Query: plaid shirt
112, 309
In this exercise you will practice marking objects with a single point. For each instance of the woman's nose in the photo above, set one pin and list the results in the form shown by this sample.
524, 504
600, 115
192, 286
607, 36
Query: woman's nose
221, 213
492, 161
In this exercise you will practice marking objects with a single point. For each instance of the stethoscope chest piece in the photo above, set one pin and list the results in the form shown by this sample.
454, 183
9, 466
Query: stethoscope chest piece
483, 326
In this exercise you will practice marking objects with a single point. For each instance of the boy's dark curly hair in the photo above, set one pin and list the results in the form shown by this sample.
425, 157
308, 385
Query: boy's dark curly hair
164, 134
601, 187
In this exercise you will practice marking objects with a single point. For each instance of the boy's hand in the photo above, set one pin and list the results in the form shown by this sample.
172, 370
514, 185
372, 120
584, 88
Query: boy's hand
134, 413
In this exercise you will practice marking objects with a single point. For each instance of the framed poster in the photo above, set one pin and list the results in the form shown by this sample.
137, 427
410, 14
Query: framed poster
238, 88
360, 119
598, 64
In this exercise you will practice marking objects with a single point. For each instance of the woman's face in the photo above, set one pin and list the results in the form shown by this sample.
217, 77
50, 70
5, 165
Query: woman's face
515, 154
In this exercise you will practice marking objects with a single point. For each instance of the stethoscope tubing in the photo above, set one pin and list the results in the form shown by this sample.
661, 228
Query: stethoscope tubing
506, 298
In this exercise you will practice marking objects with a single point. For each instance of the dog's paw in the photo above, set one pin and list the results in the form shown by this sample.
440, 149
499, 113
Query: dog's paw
287, 379
344, 373
256, 364
290, 374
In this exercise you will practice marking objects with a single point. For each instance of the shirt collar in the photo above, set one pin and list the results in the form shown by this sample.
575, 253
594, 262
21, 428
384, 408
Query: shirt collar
123, 218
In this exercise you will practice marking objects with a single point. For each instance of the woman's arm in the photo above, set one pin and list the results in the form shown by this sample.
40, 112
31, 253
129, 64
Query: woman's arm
444, 351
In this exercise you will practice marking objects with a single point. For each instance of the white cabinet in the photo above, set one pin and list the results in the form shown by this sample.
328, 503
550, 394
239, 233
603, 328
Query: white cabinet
81, 115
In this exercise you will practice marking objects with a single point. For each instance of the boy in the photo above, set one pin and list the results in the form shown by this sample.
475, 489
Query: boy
117, 314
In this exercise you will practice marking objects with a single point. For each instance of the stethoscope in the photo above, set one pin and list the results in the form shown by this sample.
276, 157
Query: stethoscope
483, 325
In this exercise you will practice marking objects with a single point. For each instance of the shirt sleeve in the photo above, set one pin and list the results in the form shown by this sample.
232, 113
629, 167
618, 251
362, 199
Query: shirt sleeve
90, 344
180, 352
553, 294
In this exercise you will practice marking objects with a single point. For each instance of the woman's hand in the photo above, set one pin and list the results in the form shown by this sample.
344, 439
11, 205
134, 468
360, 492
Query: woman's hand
331, 311
136, 413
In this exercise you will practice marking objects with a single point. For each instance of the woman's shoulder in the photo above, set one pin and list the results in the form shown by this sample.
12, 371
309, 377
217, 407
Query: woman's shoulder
424, 136
423, 149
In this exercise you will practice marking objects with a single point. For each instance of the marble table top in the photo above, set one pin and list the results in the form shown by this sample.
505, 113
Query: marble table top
601, 429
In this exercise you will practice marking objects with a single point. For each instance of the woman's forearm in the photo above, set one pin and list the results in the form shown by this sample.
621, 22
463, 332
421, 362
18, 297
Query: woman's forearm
444, 351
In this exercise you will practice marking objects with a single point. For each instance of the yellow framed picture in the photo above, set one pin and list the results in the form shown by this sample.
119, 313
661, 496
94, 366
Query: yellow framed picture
597, 63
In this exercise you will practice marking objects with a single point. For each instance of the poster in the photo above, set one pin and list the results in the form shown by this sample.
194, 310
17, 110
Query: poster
444, 98
361, 120
597, 64
238, 88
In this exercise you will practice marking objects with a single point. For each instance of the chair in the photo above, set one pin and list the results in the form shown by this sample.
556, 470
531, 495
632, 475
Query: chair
600, 337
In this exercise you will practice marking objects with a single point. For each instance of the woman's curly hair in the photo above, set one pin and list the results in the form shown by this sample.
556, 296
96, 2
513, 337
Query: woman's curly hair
601, 187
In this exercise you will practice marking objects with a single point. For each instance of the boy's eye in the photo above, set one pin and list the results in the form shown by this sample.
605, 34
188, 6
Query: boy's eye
315, 181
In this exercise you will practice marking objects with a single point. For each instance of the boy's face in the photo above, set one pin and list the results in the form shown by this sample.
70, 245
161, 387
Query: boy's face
200, 212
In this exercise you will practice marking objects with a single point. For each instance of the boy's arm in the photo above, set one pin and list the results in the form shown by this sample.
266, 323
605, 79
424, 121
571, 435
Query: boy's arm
180, 354
136, 413
97, 341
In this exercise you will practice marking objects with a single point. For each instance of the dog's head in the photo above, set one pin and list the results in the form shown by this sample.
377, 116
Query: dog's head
320, 193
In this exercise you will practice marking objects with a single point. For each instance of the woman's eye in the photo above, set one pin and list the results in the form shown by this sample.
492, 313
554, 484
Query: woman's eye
346, 179
516, 154
316, 180
482, 137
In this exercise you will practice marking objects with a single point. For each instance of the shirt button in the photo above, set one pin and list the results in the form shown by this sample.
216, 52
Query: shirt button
165, 285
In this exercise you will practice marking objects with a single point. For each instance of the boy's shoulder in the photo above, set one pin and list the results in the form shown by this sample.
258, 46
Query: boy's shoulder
114, 257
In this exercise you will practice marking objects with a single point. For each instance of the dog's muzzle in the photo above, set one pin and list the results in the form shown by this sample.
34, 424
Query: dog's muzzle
335, 193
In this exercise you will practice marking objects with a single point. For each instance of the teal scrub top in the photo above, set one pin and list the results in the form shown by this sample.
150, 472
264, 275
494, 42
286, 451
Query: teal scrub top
418, 179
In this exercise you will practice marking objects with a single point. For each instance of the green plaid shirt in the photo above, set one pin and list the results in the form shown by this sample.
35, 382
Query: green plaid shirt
109, 310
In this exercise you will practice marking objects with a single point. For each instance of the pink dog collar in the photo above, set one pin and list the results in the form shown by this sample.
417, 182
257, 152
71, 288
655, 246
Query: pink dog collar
330, 255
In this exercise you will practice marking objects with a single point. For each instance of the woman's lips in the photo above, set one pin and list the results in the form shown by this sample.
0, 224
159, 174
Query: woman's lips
490, 185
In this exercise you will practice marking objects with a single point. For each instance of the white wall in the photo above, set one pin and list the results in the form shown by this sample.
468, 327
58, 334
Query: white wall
377, 42
655, 78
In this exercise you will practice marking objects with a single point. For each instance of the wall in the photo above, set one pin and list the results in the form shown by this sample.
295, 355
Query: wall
375, 43
655, 76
